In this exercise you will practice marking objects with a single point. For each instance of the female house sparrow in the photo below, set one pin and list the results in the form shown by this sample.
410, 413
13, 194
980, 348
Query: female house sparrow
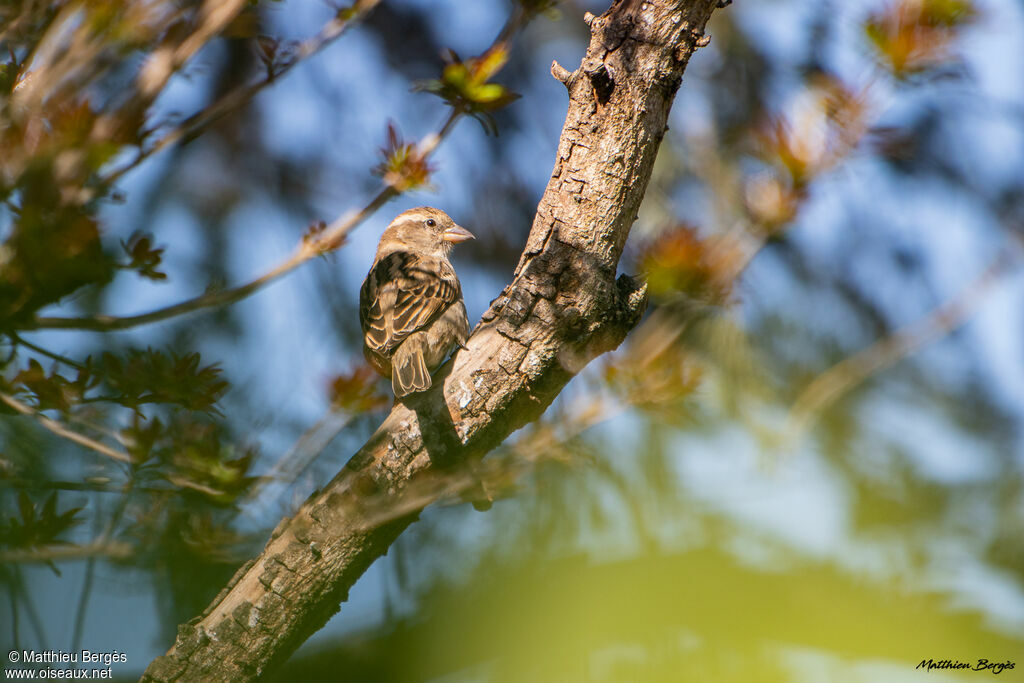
410, 305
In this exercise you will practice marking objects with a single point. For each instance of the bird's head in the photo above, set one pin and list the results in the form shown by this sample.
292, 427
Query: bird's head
423, 230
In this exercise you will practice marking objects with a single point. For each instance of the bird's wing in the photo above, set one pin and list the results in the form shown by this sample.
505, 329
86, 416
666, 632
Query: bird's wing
402, 294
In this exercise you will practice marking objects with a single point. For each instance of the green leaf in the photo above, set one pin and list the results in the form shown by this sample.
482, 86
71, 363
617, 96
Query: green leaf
38, 525
466, 85
144, 258
149, 376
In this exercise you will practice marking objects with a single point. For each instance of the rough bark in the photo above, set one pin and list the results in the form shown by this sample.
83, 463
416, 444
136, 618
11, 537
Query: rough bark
563, 308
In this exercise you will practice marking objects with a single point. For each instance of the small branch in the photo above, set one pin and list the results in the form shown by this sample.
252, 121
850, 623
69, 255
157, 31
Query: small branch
93, 486
62, 431
560, 73
164, 62
18, 589
330, 239
90, 569
845, 375
13, 602
56, 553
20, 341
233, 100
296, 459
201, 488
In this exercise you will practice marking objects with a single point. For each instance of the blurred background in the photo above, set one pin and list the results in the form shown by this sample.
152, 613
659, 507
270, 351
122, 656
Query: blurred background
805, 464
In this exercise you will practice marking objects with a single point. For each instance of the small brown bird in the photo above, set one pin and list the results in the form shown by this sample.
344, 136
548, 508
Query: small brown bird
410, 305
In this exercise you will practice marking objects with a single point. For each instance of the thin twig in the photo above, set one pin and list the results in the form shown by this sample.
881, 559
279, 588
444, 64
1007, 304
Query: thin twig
162, 63
90, 568
91, 486
296, 459
83, 602
230, 101
331, 238
503, 469
18, 340
55, 553
85, 592
13, 595
63, 432
842, 377
30, 609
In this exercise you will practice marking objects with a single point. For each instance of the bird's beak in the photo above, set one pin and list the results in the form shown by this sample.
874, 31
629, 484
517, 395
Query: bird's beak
456, 234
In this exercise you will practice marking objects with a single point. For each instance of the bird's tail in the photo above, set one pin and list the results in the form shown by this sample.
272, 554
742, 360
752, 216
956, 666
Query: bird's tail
409, 372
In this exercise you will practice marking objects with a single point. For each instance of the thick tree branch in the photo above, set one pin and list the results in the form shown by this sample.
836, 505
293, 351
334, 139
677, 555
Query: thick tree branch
563, 308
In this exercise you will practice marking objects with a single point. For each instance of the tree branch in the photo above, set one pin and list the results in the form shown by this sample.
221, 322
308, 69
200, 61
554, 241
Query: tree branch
62, 431
847, 374
331, 238
234, 99
61, 553
306, 250
563, 308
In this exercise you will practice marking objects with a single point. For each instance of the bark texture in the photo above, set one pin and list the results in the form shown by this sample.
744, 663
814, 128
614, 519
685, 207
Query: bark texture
563, 308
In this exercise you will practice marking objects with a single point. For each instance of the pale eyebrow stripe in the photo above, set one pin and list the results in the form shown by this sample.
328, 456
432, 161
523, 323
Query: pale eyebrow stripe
416, 215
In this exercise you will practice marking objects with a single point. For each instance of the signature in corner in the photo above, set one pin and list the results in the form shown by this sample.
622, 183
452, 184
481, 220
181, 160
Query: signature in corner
982, 665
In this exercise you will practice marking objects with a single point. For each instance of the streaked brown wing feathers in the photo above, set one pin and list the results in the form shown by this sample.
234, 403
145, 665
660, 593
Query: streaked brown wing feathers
403, 294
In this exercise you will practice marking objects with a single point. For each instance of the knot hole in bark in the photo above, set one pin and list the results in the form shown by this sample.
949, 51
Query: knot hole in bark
602, 81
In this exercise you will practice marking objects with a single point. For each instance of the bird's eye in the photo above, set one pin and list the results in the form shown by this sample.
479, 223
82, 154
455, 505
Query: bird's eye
431, 223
